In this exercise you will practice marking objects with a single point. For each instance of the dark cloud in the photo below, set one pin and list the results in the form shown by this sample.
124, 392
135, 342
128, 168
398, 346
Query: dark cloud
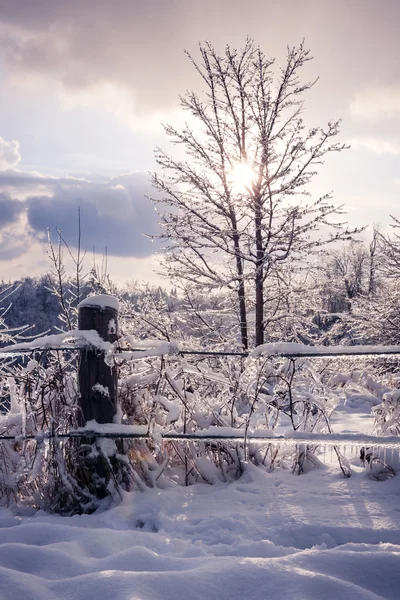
85, 43
13, 180
20, 184
139, 45
113, 215
9, 210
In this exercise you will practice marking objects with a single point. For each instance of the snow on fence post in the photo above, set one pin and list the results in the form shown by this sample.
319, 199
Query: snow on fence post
98, 380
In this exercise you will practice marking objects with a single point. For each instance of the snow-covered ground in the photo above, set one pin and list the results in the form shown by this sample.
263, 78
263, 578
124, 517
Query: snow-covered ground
268, 535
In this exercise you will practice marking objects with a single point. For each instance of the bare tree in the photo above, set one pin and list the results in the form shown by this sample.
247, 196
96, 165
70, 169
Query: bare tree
67, 291
374, 262
389, 246
237, 209
348, 273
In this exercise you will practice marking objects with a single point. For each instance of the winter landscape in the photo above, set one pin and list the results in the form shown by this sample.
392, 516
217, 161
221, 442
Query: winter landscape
199, 300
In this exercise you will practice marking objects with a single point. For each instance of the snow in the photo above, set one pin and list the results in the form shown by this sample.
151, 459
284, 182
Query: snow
146, 348
101, 389
112, 327
294, 348
267, 535
173, 408
155, 349
90, 337
102, 301
93, 426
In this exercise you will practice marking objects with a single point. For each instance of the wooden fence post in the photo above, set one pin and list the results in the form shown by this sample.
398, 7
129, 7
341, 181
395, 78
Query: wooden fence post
97, 380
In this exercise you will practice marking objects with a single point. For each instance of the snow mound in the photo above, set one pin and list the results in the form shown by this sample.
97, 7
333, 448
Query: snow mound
266, 535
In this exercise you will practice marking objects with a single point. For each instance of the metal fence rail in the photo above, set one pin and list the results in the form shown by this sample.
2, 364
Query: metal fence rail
313, 352
109, 347
331, 439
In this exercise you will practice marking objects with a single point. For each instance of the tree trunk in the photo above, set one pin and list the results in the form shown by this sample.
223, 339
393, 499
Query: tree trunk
259, 275
240, 291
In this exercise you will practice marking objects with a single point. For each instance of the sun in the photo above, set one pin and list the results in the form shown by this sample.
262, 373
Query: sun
242, 177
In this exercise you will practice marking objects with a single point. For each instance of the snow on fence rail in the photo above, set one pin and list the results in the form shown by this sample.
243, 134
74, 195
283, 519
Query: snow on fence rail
216, 434
90, 339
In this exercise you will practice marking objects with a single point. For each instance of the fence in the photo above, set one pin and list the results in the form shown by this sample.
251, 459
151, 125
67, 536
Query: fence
96, 336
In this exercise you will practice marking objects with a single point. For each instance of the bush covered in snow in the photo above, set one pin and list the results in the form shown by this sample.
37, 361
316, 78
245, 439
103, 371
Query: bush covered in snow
161, 393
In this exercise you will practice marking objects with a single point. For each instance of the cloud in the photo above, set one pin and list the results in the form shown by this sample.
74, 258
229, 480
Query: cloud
9, 155
12, 245
21, 256
112, 215
376, 145
15, 235
128, 54
135, 74
20, 185
378, 104
86, 46
9, 210
120, 101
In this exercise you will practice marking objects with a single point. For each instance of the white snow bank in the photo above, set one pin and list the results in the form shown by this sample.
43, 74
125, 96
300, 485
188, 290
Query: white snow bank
102, 301
268, 535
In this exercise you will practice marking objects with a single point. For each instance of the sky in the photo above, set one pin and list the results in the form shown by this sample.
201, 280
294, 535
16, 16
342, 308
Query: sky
86, 84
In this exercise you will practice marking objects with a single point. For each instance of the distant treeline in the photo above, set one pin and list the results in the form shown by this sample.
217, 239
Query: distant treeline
32, 301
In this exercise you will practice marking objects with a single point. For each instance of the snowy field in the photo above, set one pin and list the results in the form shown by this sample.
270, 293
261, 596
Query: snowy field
268, 535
